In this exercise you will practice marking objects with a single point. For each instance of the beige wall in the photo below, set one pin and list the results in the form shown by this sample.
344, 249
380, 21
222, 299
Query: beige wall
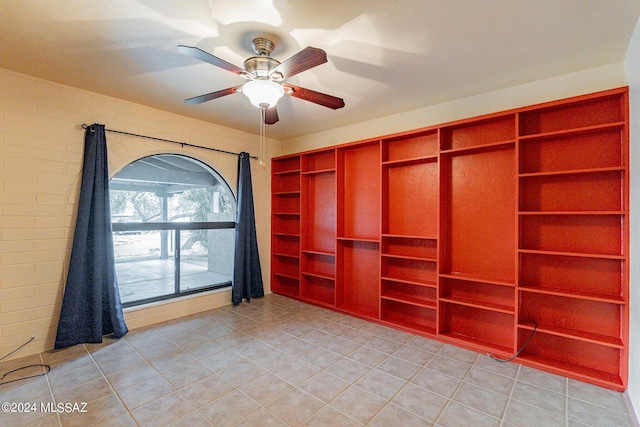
632, 71
40, 168
587, 81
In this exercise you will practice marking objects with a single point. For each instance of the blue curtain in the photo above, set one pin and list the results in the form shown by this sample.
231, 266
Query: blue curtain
91, 304
247, 274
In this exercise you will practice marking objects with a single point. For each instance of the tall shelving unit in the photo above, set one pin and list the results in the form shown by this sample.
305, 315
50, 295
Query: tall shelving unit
478, 228
358, 240
318, 242
481, 233
285, 226
573, 240
409, 256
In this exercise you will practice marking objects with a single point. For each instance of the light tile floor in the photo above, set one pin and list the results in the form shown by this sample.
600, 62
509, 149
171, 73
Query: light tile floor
279, 362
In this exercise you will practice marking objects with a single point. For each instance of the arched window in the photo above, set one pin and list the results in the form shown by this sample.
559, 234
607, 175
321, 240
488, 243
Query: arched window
173, 219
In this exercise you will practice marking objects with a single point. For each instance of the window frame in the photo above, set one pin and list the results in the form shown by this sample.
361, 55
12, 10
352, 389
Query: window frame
177, 227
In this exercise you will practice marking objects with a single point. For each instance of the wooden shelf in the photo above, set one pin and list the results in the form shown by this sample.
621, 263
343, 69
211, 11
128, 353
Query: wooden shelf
286, 204
481, 147
478, 134
408, 270
591, 234
286, 255
572, 172
360, 311
409, 293
287, 172
475, 278
614, 299
319, 171
615, 213
409, 147
469, 231
573, 370
316, 252
587, 277
409, 300
318, 161
410, 161
465, 341
425, 283
605, 340
286, 235
287, 292
409, 316
595, 190
286, 165
417, 258
469, 323
574, 131
410, 247
581, 113
359, 239
318, 288
583, 360
407, 236
412, 327
319, 275
481, 305
587, 320
572, 254
288, 276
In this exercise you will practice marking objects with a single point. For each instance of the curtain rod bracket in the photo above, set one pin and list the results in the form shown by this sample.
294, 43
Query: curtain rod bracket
86, 126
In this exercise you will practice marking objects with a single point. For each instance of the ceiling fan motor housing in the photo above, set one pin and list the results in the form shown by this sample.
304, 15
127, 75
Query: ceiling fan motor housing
260, 66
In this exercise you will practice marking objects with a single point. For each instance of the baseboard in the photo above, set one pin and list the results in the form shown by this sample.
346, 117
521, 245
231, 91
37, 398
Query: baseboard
634, 414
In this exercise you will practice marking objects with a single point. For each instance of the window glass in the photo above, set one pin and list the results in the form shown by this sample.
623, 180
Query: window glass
173, 219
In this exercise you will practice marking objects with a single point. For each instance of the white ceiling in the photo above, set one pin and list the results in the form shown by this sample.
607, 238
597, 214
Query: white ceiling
385, 57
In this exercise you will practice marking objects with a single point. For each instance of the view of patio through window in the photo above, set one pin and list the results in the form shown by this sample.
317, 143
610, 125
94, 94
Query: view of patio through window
173, 219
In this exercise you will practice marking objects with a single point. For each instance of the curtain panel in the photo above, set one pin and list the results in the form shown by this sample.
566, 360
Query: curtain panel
91, 306
247, 274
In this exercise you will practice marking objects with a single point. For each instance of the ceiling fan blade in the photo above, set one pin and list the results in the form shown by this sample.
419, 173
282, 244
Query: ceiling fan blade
271, 116
307, 58
213, 95
200, 54
323, 99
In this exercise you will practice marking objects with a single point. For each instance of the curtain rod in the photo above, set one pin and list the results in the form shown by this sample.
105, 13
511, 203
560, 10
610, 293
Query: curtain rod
86, 126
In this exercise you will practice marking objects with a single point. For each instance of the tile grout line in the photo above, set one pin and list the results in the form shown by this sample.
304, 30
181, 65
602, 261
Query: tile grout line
513, 387
435, 422
566, 402
53, 398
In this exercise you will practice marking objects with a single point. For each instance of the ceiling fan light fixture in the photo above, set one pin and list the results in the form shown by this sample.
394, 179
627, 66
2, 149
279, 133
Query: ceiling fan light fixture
263, 92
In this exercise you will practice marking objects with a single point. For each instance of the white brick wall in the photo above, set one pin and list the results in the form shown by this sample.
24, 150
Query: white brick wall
40, 168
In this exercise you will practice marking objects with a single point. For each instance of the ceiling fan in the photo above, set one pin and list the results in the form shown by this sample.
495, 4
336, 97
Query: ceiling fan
266, 77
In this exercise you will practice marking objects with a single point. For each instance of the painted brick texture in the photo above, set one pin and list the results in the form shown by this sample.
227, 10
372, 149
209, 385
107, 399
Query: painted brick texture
41, 148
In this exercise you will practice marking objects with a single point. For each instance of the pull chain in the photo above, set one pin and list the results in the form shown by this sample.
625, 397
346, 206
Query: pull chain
263, 112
